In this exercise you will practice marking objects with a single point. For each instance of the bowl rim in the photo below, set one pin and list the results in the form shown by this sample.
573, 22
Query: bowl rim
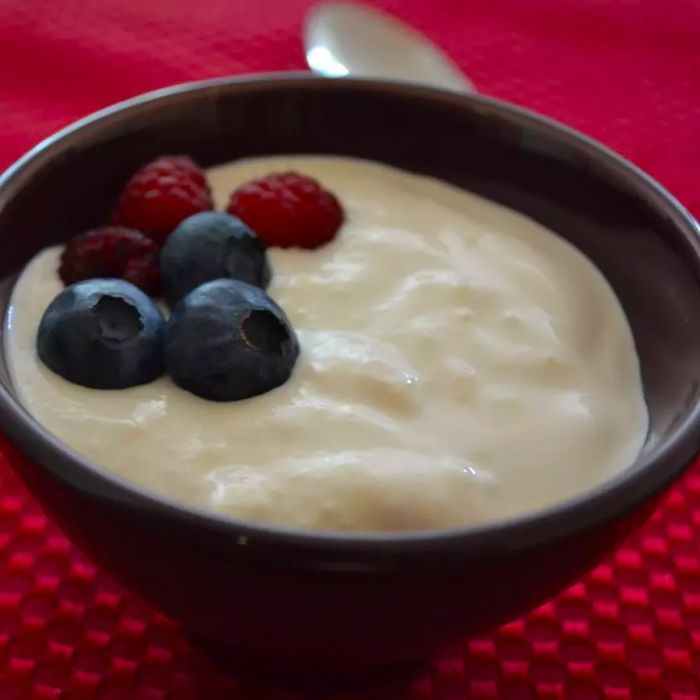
605, 502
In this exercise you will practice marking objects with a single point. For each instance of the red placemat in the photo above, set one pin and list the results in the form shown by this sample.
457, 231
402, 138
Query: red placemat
624, 71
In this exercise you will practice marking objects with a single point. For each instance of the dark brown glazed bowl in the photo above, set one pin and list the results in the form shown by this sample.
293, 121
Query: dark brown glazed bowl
334, 604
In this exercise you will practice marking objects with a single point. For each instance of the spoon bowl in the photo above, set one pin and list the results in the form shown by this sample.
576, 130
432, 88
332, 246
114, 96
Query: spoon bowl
348, 39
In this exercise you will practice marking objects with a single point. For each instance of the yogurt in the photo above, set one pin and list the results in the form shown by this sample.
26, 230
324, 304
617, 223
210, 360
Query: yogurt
460, 364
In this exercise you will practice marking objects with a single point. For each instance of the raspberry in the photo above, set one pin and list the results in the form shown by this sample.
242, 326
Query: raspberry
288, 210
161, 194
112, 251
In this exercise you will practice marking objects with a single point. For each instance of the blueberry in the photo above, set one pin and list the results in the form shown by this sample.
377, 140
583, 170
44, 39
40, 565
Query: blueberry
103, 334
227, 340
209, 246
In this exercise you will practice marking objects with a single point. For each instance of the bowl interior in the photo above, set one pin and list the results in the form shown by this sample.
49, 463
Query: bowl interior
639, 238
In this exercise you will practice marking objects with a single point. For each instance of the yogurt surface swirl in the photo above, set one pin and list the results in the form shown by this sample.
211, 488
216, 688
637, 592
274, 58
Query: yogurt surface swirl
460, 363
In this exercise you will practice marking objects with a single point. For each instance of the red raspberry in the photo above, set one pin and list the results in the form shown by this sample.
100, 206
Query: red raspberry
288, 210
112, 251
161, 194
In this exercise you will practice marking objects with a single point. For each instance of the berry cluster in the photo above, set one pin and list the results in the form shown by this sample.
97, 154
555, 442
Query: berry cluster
225, 339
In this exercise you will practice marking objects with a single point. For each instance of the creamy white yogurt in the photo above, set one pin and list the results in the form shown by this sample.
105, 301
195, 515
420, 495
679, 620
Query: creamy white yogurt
460, 363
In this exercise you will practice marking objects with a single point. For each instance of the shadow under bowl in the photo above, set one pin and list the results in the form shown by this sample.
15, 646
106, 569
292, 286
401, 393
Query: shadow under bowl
332, 605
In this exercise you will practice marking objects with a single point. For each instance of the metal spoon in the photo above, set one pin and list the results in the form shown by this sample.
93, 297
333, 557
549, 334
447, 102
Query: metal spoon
349, 39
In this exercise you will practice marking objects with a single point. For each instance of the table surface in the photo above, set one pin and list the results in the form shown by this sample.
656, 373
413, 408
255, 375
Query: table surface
624, 71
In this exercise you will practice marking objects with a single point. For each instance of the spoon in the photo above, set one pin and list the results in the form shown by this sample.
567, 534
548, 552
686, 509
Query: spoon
349, 39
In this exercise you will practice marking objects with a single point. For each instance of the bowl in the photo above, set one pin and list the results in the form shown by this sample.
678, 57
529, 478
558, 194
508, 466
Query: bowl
334, 605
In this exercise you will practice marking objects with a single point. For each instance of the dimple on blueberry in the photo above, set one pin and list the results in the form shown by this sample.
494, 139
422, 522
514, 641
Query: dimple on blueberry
228, 340
103, 334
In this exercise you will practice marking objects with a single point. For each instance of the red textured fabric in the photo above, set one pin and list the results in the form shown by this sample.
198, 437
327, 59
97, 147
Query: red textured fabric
626, 72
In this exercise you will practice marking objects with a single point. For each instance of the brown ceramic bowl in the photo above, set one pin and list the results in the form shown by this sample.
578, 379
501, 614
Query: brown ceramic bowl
334, 604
